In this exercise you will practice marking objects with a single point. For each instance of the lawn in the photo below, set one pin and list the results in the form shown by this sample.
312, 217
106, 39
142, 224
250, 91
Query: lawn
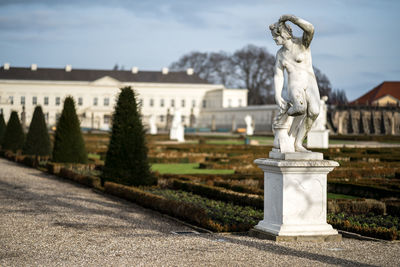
185, 168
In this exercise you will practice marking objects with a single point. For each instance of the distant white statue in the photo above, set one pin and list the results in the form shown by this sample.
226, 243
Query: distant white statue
153, 126
299, 102
177, 130
249, 125
318, 136
320, 122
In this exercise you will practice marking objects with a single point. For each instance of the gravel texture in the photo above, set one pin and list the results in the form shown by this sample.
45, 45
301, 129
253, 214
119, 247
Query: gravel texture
47, 221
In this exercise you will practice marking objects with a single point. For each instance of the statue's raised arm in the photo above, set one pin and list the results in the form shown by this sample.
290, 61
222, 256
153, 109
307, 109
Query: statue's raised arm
307, 27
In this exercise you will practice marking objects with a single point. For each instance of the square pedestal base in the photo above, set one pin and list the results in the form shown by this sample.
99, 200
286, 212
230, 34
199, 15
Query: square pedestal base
295, 197
296, 238
318, 139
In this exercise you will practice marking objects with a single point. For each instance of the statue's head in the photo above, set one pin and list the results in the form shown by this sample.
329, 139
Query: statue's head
280, 32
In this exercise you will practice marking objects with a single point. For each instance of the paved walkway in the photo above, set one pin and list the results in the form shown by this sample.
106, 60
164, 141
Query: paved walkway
48, 221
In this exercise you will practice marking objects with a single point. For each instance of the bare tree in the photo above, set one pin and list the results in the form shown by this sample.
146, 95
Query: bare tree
338, 97
324, 85
254, 71
250, 67
198, 61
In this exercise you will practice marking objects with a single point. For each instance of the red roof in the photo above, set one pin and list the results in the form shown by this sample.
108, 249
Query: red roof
385, 88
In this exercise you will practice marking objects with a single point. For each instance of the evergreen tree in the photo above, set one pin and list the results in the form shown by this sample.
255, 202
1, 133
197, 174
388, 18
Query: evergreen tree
14, 135
69, 145
2, 128
126, 160
37, 140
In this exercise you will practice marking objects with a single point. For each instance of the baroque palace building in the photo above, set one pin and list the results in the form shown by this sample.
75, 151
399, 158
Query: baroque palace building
95, 91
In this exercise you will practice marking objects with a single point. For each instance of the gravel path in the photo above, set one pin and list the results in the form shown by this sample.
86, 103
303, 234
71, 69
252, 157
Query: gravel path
48, 221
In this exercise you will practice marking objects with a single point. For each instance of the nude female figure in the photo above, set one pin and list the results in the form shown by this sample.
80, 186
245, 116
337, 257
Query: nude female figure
302, 97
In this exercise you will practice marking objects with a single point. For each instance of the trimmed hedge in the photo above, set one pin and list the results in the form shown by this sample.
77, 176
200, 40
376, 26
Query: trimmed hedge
90, 181
174, 208
360, 226
216, 193
360, 206
240, 188
363, 191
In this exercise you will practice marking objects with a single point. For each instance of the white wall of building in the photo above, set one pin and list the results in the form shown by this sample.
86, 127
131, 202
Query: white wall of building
95, 100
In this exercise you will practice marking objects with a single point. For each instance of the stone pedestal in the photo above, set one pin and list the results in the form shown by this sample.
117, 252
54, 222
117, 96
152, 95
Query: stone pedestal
295, 197
318, 139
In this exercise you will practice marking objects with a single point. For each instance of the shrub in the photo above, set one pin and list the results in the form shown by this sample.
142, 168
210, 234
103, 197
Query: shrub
90, 181
37, 140
53, 168
126, 161
174, 208
14, 135
68, 142
2, 128
220, 194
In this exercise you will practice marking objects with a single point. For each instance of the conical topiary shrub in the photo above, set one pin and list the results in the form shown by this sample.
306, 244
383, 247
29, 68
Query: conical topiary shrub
68, 141
37, 140
14, 135
126, 160
2, 128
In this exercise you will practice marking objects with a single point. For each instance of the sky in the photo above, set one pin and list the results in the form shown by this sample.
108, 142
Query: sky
355, 43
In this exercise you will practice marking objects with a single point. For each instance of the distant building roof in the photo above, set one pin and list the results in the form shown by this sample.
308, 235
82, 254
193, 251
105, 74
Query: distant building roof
53, 74
384, 89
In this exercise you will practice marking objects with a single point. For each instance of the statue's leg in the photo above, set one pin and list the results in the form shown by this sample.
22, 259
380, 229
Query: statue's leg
298, 101
311, 116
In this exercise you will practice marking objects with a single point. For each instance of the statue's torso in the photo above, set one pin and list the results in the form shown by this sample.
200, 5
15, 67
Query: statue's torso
298, 64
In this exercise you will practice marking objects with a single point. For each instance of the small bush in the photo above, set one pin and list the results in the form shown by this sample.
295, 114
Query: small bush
68, 141
37, 140
220, 194
2, 128
14, 136
126, 161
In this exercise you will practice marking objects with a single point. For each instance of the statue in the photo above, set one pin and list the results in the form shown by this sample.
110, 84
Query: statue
320, 122
299, 102
177, 131
153, 125
249, 125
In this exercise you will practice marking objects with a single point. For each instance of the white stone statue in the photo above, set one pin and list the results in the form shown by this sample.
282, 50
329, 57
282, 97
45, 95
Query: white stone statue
249, 125
299, 101
320, 122
177, 130
153, 126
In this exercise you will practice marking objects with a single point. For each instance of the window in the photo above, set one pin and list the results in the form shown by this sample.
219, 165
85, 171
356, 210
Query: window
183, 118
57, 101
95, 100
161, 102
46, 100
172, 102
151, 102
34, 100
11, 100
140, 103
229, 102
46, 117
193, 103
106, 101
240, 102
161, 118
22, 100
204, 103
80, 101
106, 119
183, 103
